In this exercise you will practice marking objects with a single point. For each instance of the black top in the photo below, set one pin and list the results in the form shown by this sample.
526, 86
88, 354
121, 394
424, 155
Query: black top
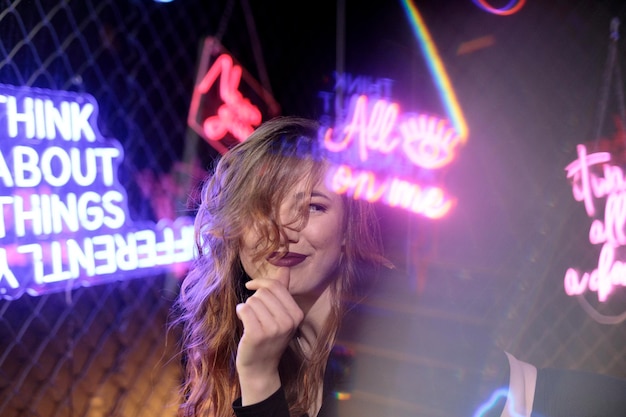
276, 404
273, 406
559, 393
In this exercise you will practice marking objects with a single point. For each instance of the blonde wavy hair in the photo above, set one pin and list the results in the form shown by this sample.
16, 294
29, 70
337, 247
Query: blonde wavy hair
246, 189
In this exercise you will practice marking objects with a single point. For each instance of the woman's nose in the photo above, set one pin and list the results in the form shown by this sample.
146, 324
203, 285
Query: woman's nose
291, 233
291, 223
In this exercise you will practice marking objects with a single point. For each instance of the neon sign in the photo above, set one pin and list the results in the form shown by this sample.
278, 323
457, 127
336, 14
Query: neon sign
512, 7
426, 141
499, 395
335, 104
379, 152
395, 192
65, 221
225, 113
594, 178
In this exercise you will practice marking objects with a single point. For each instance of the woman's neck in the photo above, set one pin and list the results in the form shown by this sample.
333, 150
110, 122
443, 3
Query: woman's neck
316, 311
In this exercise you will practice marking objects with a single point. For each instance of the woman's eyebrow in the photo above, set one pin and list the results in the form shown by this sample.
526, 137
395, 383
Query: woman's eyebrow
314, 193
322, 194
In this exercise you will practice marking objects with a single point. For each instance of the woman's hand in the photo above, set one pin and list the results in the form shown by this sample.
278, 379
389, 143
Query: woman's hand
270, 319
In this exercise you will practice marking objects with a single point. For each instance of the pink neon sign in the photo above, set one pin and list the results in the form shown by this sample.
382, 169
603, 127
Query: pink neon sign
594, 178
379, 149
65, 221
227, 103
395, 192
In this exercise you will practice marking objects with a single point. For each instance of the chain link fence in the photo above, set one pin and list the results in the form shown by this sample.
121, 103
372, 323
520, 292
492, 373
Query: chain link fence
106, 350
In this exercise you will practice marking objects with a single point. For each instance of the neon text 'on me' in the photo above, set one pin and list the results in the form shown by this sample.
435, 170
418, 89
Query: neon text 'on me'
379, 130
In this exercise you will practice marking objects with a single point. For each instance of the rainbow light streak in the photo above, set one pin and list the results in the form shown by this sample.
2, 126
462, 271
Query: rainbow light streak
437, 70
342, 396
514, 6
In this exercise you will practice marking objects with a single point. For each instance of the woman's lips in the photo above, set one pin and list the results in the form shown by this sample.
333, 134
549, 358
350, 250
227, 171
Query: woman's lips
289, 260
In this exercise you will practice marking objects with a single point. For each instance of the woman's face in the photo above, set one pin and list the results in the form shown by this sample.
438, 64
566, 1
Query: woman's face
313, 249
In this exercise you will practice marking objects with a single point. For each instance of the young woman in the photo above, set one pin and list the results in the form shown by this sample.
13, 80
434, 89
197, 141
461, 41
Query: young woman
281, 256
280, 260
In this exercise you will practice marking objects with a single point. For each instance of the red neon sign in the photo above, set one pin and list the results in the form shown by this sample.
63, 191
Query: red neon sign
65, 222
236, 115
593, 178
227, 111
379, 149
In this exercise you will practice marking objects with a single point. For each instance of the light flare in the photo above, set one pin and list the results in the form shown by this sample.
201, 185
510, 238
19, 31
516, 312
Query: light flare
437, 69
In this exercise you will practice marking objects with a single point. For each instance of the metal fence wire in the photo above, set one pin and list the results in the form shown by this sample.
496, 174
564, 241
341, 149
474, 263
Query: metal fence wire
106, 350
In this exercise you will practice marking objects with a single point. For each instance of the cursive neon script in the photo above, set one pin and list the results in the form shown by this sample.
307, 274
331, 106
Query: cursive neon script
587, 186
426, 141
237, 115
428, 201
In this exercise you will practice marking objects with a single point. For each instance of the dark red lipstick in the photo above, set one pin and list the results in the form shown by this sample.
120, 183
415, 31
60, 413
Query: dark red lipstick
290, 259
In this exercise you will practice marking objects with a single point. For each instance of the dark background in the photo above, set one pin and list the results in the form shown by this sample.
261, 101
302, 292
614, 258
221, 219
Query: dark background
487, 277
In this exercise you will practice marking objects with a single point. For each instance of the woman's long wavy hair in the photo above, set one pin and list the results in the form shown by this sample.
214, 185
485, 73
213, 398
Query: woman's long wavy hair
246, 190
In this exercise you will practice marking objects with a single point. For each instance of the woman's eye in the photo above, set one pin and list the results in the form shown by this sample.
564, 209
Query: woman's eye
316, 208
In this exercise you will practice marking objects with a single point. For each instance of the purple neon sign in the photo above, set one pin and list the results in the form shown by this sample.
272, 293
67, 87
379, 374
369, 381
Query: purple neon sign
65, 221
